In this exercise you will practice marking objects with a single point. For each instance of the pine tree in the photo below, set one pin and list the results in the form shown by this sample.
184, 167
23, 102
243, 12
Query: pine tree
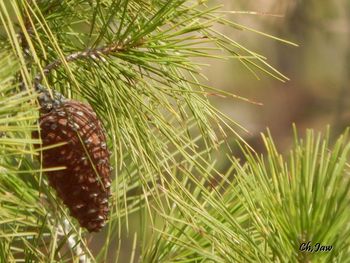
134, 68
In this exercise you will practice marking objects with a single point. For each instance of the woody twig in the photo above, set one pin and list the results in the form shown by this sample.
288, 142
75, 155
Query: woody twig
94, 53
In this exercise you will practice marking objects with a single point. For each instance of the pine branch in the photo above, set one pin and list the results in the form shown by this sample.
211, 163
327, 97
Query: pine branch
92, 53
148, 94
262, 209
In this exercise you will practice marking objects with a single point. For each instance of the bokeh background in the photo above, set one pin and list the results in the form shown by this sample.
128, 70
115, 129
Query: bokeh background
318, 91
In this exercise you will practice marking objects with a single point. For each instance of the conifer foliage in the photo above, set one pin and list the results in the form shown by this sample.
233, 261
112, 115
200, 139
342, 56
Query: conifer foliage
106, 125
134, 63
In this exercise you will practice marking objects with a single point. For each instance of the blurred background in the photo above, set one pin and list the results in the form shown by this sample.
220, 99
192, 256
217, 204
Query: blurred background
318, 91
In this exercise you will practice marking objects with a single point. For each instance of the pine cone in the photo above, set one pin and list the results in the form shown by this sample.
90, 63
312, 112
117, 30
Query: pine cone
84, 185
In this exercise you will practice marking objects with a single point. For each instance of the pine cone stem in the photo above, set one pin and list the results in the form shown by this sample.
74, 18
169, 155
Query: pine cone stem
73, 243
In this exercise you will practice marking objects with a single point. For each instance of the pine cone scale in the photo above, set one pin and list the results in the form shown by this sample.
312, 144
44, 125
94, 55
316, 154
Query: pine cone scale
84, 186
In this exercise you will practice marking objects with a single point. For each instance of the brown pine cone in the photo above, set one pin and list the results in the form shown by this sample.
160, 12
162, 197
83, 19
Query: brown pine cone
84, 185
